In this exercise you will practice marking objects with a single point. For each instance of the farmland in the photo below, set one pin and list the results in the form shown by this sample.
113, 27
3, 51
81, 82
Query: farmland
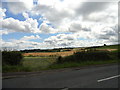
72, 51
67, 53
36, 61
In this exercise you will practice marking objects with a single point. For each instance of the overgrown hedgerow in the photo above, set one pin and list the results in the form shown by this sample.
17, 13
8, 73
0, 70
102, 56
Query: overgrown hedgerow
11, 58
88, 56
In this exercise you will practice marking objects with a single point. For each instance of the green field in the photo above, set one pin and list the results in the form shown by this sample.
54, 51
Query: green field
109, 47
38, 62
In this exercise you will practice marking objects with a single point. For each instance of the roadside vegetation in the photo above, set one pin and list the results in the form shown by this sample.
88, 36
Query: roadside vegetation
80, 64
14, 61
30, 64
86, 59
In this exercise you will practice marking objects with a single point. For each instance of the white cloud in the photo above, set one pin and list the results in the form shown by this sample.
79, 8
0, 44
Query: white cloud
109, 15
72, 40
71, 16
30, 37
20, 6
45, 28
90, 23
90, 7
29, 25
54, 11
62, 40
77, 26
63, 14
109, 34
22, 43
26, 15
5, 32
2, 13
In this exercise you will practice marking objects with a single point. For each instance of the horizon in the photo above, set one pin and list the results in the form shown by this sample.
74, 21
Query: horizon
12, 49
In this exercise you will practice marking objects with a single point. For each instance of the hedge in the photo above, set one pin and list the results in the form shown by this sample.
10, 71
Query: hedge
86, 56
11, 58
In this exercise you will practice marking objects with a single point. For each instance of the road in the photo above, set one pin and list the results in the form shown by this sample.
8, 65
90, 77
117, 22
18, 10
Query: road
91, 77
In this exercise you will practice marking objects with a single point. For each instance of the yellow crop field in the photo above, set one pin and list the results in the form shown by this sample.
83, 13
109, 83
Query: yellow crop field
67, 53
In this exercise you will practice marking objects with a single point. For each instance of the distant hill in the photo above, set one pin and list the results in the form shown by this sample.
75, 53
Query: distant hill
70, 48
47, 50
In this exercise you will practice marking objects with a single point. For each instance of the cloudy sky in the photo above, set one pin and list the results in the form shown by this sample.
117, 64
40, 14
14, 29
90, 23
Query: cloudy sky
44, 24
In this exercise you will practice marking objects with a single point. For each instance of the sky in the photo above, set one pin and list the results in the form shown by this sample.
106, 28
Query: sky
47, 24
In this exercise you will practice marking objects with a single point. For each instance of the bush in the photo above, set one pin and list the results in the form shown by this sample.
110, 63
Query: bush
11, 58
93, 55
59, 60
87, 56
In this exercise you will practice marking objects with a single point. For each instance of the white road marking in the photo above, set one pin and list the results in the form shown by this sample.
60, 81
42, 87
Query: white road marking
64, 89
108, 78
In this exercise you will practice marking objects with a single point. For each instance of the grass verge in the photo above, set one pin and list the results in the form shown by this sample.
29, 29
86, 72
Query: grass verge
55, 66
78, 64
14, 68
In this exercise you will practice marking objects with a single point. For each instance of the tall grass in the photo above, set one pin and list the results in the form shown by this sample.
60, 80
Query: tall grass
30, 64
38, 62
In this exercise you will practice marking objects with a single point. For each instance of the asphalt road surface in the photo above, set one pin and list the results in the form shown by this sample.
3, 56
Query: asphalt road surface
91, 77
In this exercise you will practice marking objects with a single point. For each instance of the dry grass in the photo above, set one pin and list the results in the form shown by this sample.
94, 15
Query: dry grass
107, 49
67, 53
